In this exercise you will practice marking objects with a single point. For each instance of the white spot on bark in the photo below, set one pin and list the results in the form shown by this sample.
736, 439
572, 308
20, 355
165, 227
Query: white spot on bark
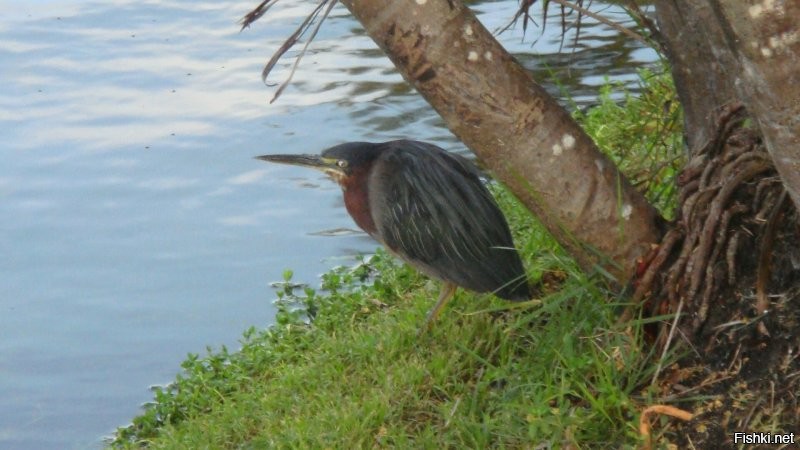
766, 52
627, 210
422, 2
472, 55
774, 41
764, 7
467, 29
790, 38
568, 141
600, 165
488, 55
779, 41
557, 149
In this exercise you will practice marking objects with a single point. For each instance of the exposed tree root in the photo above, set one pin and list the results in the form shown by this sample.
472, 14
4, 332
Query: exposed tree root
644, 420
729, 269
764, 259
722, 186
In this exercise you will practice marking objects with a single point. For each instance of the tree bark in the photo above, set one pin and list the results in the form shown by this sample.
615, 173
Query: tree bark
727, 51
765, 38
522, 135
700, 64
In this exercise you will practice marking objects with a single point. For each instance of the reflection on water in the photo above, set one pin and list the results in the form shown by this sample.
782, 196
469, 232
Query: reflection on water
136, 227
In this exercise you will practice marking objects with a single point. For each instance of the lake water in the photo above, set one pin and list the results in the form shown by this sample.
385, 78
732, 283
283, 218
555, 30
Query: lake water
135, 227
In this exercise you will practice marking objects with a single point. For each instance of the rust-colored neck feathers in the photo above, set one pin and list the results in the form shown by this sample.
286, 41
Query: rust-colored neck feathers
356, 199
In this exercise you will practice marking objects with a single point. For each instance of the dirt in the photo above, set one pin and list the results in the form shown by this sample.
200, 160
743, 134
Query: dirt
731, 264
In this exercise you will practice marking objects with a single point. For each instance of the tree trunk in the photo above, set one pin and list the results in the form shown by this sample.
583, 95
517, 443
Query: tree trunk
728, 51
765, 37
522, 135
699, 69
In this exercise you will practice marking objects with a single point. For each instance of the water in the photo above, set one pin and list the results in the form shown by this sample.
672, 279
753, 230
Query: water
135, 227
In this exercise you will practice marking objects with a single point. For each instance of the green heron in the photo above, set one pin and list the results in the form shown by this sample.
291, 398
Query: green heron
428, 207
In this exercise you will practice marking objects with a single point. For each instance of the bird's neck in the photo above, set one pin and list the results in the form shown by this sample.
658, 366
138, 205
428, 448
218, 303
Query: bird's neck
356, 200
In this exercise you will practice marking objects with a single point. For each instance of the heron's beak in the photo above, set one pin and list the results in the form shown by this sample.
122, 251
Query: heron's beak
327, 165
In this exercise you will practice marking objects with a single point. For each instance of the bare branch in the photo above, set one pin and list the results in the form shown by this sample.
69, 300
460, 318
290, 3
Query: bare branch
581, 10
523, 12
261, 9
331, 4
256, 13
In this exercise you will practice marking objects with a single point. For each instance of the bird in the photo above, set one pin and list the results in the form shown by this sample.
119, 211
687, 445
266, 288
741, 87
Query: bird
430, 208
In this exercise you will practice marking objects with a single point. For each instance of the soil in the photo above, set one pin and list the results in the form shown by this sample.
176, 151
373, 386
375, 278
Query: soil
730, 263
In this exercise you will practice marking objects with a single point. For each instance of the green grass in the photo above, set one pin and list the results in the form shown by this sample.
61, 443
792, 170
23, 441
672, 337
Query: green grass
344, 368
642, 135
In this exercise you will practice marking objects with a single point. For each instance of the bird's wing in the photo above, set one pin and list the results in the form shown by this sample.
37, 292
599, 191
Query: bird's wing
431, 208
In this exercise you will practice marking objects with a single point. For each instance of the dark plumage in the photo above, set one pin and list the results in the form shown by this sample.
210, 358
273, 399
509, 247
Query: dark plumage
428, 207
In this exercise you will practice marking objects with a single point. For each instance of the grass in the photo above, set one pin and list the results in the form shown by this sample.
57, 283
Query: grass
642, 135
343, 366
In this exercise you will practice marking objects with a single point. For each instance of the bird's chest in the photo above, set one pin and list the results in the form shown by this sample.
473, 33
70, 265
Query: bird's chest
356, 200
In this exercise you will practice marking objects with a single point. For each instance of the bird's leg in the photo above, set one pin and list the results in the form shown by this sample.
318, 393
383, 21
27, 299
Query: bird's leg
447, 292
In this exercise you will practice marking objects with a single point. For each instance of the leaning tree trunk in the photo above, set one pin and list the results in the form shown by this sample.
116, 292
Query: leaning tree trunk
494, 106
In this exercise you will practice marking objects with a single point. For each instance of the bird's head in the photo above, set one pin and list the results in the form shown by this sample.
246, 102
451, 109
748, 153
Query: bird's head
339, 162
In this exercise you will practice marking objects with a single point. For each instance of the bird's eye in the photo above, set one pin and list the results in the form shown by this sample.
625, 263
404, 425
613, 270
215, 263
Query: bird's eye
341, 163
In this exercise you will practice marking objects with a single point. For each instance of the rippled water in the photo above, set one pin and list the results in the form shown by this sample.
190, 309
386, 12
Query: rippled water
135, 226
